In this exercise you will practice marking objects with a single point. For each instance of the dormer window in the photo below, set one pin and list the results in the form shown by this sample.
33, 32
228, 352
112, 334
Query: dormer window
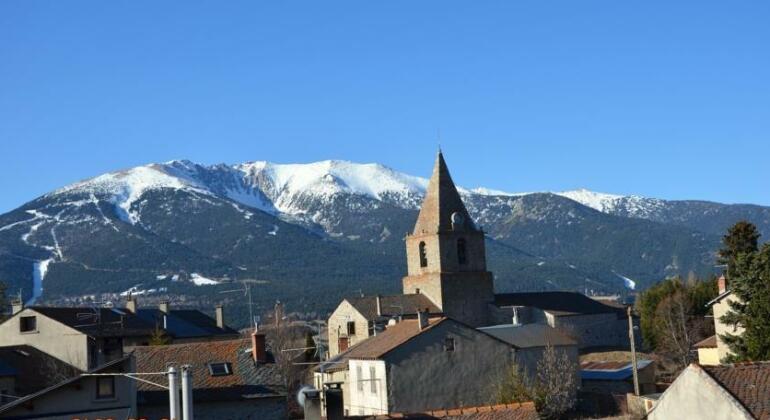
423, 255
220, 369
461, 255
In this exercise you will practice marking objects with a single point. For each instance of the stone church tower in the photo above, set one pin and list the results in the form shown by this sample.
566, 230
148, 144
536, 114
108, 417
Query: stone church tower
446, 259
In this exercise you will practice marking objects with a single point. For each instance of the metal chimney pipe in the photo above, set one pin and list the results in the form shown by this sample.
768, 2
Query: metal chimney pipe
173, 394
379, 305
187, 390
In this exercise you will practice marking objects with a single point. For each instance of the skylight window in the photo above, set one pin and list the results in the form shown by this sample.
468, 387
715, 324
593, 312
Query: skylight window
220, 369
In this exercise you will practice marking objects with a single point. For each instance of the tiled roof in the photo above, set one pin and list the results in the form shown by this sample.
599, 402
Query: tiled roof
529, 335
516, 411
558, 303
33, 369
710, 342
119, 322
393, 305
248, 379
375, 347
749, 383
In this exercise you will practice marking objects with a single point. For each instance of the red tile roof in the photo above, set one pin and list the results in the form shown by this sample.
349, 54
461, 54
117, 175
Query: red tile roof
516, 411
248, 379
375, 347
749, 383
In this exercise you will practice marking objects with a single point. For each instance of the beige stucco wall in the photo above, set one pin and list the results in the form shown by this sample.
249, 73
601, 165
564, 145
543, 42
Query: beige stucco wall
52, 337
708, 356
337, 326
694, 395
363, 401
720, 309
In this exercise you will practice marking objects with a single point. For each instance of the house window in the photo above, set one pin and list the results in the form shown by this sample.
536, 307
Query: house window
105, 387
373, 380
360, 378
351, 328
461, 251
449, 344
423, 255
220, 369
28, 324
342, 343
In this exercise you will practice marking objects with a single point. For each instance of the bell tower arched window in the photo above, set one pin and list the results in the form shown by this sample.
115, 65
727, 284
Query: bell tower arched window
423, 255
461, 254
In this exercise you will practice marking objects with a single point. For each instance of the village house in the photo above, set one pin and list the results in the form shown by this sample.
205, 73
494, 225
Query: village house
92, 336
420, 364
359, 318
736, 392
35, 385
232, 379
713, 350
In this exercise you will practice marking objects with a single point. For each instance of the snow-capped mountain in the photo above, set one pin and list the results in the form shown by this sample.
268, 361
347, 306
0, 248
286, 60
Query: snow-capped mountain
289, 188
162, 226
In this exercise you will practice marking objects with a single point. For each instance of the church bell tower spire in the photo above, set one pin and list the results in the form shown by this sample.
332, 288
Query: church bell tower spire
446, 257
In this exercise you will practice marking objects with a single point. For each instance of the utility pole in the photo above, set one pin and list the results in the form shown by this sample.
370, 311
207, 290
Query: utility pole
633, 352
187, 389
173, 394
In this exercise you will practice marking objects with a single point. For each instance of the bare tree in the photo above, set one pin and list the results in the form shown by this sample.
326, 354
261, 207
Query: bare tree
553, 389
557, 383
678, 329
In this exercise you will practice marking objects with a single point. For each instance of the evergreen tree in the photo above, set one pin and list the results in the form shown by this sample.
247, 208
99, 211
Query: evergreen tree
741, 238
750, 284
159, 337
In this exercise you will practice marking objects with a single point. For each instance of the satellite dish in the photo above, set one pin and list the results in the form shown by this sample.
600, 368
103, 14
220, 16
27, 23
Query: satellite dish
457, 218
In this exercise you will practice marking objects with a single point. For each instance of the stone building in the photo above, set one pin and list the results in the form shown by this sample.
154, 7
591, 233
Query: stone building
447, 273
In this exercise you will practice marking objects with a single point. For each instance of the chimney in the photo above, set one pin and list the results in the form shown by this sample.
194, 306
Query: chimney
722, 284
16, 306
258, 349
131, 304
220, 316
379, 305
422, 319
164, 305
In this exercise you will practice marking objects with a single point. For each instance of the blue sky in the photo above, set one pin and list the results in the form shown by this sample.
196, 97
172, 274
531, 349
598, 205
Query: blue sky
659, 98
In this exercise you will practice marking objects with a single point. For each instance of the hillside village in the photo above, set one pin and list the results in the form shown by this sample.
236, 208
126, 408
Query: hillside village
449, 346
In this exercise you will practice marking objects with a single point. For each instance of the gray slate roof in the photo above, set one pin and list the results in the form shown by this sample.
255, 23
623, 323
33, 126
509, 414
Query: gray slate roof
393, 305
558, 303
529, 335
119, 322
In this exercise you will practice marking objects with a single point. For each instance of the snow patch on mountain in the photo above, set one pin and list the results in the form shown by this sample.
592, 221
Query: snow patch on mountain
39, 270
598, 201
126, 187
